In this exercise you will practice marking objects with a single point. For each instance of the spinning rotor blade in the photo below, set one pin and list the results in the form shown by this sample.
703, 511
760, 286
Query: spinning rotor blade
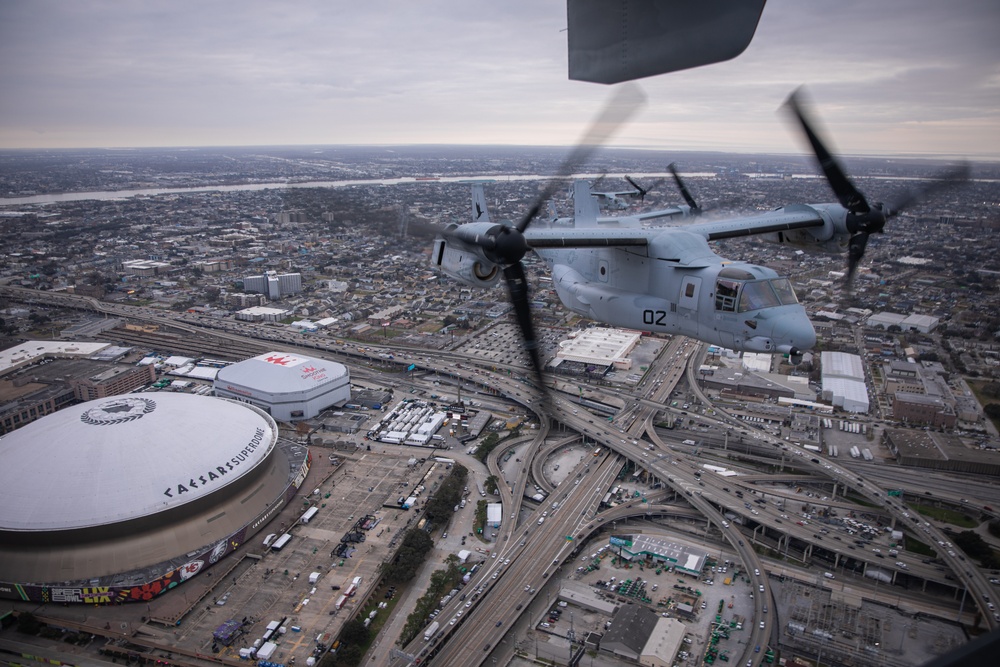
517, 288
622, 106
864, 219
855, 251
941, 182
642, 192
506, 246
849, 196
510, 245
688, 199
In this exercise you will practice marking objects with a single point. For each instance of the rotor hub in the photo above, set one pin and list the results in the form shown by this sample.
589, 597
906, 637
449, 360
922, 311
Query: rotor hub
510, 246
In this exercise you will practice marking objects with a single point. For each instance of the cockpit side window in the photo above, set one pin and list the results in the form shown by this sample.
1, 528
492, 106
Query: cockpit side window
726, 292
784, 290
756, 295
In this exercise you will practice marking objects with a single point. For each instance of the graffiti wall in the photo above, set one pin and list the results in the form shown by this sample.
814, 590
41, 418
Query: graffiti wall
106, 595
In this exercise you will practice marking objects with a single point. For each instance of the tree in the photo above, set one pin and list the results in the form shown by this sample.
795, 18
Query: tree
440, 507
347, 655
411, 555
487, 445
354, 633
973, 544
491, 484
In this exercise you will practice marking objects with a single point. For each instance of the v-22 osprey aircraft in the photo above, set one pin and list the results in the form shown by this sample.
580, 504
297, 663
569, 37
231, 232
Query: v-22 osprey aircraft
669, 280
661, 280
615, 199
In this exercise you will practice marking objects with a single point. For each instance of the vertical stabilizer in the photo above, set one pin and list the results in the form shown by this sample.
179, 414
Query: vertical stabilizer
585, 206
479, 211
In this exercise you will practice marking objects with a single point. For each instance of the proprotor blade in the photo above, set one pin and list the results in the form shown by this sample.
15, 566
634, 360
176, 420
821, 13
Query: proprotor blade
639, 190
517, 289
688, 199
855, 251
863, 220
623, 105
848, 195
944, 180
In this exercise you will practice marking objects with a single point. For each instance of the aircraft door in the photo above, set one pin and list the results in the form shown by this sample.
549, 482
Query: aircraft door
688, 298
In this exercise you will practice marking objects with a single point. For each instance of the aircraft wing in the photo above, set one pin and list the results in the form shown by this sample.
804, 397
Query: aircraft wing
797, 216
619, 40
672, 244
671, 212
616, 193
540, 239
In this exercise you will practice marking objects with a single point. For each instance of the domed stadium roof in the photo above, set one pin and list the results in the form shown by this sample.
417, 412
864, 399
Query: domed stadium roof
281, 373
122, 458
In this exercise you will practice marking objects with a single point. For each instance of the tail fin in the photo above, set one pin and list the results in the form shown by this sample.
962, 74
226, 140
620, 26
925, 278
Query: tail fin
479, 211
585, 206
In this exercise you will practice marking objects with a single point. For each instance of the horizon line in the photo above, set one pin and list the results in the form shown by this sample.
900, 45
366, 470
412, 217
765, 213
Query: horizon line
719, 151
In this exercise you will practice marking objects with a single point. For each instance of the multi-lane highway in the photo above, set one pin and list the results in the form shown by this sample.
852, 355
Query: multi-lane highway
523, 560
527, 554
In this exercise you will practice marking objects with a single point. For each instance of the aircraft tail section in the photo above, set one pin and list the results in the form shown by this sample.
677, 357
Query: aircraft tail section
480, 213
585, 207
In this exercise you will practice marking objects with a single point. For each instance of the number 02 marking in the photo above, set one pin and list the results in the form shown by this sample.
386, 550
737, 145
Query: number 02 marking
654, 317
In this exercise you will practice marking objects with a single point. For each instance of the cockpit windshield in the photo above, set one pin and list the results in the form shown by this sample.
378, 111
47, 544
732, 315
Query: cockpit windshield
741, 296
784, 290
757, 295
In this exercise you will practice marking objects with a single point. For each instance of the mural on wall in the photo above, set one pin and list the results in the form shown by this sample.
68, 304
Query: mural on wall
102, 595
106, 595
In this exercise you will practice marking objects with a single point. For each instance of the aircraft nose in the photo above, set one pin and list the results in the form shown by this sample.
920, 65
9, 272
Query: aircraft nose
795, 331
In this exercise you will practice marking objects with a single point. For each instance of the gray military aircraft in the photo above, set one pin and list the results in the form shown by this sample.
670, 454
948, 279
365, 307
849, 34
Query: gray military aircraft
618, 199
668, 279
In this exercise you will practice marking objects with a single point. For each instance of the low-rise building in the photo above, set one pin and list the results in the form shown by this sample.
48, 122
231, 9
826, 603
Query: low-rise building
112, 381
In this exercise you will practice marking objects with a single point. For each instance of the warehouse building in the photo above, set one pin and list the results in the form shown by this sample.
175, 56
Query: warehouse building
843, 380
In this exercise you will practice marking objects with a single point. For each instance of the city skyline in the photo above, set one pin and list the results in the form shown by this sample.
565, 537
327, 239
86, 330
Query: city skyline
896, 78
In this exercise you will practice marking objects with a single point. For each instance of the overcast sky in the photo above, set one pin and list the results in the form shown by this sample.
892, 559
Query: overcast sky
886, 76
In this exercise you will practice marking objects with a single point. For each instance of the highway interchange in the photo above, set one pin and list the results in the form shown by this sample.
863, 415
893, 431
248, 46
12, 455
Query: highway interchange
526, 555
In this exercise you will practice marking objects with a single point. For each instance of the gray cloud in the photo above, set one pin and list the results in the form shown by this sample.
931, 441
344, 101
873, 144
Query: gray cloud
892, 76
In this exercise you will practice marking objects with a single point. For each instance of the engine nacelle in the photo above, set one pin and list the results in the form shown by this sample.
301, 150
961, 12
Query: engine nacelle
804, 239
464, 264
832, 237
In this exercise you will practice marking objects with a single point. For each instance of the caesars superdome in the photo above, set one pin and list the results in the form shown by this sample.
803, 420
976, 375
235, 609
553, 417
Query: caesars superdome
122, 498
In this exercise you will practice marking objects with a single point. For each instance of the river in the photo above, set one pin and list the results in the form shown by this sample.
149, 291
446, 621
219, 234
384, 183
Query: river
106, 195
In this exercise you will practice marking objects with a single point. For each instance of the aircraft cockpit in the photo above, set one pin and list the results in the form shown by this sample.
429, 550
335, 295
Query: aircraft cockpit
740, 291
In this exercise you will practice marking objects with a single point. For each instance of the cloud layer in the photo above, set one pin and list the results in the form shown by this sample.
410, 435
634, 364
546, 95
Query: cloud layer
896, 76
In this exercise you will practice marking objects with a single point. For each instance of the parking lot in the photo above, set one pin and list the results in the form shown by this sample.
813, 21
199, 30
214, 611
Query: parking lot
256, 585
